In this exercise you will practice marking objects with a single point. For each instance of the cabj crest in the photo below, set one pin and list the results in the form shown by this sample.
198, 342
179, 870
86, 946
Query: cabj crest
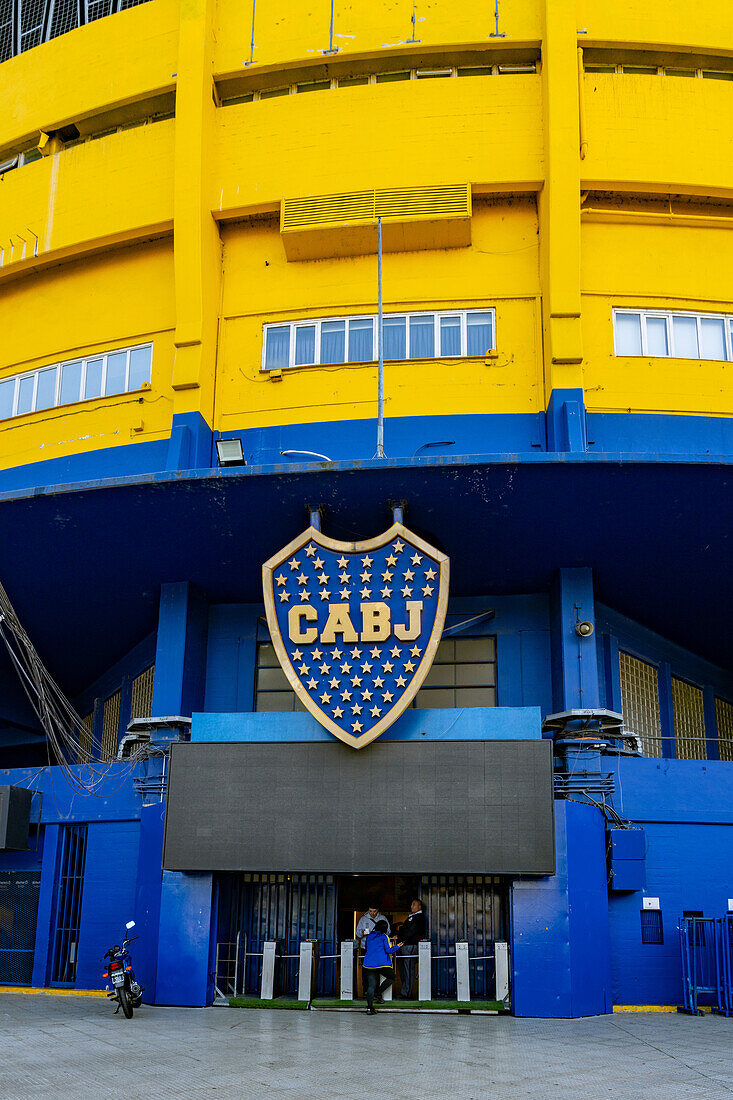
356, 625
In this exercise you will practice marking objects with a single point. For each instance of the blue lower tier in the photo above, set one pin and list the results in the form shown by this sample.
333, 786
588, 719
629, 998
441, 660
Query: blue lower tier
565, 427
575, 949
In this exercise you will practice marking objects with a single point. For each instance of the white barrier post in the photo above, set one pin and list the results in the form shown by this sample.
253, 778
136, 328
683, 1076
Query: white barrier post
424, 978
463, 987
305, 971
501, 960
268, 970
347, 970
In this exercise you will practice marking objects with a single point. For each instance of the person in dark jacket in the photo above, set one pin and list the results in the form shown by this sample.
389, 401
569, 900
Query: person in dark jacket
411, 931
377, 963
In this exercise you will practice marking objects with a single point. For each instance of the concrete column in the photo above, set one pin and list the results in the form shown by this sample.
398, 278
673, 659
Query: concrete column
560, 952
559, 223
46, 898
180, 655
574, 659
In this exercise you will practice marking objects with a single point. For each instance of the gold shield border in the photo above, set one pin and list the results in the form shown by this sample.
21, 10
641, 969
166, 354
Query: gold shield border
311, 535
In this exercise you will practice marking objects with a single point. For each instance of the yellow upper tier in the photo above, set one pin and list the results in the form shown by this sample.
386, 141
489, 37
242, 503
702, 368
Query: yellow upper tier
591, 148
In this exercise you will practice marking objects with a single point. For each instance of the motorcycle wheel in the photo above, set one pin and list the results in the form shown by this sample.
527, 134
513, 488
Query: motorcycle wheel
126, 1003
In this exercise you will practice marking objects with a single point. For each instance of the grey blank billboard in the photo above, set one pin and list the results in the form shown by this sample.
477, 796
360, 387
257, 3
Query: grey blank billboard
410, 807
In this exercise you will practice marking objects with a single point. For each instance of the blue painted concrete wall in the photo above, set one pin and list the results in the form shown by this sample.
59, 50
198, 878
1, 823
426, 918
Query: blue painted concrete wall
521, 625
108, 900
686, 809
560, 944
566, 427
479, 723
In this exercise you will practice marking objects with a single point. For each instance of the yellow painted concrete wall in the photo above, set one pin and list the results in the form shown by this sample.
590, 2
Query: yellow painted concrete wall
477, 129
293, 31
500, 268
641, 266
127, 57
97, 304
706, 24
205, 183
659, 133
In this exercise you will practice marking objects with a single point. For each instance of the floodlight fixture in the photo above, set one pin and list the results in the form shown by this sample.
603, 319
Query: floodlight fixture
230, 452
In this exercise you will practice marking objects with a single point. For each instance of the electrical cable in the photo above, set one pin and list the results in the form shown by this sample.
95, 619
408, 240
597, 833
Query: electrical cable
67, 737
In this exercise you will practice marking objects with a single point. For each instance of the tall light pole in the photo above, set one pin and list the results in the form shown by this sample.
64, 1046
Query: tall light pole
380, 348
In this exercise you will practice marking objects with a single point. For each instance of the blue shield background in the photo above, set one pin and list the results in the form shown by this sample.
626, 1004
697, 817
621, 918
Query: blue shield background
356, 686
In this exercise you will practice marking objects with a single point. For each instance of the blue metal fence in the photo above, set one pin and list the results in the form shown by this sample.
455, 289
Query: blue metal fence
707, 971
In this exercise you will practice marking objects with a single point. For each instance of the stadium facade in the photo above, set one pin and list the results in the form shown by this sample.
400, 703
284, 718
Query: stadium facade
189, 206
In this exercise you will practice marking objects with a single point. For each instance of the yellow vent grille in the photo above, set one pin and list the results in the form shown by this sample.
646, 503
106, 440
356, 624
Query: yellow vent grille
359, 207
355, 206
424, 202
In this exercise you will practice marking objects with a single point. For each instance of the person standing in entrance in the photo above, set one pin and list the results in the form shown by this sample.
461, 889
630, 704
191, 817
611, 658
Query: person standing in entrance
366, 924
378, 963
411, 931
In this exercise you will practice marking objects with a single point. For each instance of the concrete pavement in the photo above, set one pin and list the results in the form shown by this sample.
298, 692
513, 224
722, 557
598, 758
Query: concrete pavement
74, 1047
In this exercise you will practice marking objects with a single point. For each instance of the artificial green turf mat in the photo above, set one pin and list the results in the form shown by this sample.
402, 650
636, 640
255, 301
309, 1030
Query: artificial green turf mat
325, 1002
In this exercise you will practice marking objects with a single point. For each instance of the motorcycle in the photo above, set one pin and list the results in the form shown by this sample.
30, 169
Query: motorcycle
119, 970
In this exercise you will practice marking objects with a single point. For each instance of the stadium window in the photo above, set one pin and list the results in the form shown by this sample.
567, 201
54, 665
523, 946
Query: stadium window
724, 722
116, 372
640, 702
141, 697
313, 86
689, 720
273, 692
359, 79
674, 335
111, 726
309, 343
463, 674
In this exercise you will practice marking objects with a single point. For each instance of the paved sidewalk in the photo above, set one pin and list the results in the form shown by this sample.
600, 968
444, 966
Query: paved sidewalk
74, 1047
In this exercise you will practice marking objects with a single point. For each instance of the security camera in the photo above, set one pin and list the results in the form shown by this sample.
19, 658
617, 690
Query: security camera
584, 629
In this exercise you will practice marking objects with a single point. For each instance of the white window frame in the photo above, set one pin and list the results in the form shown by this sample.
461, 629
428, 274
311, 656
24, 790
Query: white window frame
667, 315
84, 360
309, 322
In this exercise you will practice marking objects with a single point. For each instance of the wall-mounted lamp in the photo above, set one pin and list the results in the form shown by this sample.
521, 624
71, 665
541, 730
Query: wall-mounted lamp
229, 452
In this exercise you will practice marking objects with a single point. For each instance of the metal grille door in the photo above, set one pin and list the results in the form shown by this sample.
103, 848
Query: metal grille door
286, 908
68, 911
471, 908
18, 913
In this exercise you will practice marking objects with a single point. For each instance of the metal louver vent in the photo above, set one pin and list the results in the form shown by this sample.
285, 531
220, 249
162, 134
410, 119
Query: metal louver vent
424, 202
346, 224
359, 207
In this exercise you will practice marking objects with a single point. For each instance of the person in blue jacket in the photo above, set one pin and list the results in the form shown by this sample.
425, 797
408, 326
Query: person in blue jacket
377, 963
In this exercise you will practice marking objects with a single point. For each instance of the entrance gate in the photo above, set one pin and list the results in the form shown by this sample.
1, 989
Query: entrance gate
256, 908
470, 908
289, 909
